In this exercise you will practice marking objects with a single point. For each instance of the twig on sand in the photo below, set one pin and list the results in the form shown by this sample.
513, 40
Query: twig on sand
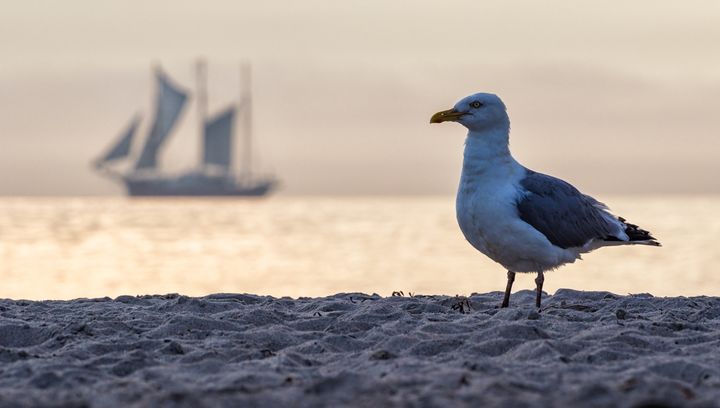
462, 305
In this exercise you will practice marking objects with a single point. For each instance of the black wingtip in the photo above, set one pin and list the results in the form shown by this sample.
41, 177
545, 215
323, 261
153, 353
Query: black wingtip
637, 234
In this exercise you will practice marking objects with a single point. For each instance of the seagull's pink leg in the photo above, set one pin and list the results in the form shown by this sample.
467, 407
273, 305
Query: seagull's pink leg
508, 288
539, 282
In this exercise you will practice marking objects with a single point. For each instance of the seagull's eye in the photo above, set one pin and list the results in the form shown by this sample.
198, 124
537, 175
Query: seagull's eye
476, 104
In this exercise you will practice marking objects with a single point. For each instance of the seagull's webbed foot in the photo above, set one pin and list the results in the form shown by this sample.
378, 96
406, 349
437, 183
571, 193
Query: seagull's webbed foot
508, 288
539, 282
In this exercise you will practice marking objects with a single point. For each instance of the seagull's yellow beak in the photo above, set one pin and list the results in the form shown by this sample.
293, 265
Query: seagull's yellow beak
450, 115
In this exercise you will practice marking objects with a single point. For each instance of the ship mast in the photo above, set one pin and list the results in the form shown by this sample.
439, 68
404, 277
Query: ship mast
202, 102
246, 104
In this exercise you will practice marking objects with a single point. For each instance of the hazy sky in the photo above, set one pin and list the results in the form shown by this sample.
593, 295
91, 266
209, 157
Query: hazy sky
620, 97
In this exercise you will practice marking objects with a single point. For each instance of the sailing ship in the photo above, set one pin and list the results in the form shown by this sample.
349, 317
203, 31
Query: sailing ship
215, 175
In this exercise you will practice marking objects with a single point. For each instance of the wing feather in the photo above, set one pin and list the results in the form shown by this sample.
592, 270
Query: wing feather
563, 214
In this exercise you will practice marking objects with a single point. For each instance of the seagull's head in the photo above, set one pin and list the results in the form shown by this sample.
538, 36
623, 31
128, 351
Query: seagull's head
476, 112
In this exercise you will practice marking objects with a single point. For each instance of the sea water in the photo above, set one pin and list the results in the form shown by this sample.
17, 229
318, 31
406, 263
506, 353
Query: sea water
61, 248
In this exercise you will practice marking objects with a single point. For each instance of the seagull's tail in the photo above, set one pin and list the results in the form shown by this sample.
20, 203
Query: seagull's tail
638, 235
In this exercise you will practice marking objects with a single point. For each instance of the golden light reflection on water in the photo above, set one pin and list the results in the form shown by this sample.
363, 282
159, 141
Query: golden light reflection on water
63, 248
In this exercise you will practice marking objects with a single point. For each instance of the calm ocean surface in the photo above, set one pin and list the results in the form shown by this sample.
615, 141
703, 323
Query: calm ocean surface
60, 248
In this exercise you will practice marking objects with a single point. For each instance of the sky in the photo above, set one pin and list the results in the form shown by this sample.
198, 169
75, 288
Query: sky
615, 97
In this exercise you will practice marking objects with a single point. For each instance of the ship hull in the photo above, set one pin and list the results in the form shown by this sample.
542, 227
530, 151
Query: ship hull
197, 187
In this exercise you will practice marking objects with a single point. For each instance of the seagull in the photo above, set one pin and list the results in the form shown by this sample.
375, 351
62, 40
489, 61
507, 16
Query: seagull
526, 221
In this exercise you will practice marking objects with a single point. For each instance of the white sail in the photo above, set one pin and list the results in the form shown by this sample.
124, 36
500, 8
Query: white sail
122, 148
169, 105
217, 140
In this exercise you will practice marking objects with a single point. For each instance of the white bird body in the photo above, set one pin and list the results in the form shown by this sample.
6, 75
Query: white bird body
523, 220
487, 214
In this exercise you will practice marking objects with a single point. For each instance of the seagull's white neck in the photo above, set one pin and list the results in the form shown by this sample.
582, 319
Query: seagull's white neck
487, 148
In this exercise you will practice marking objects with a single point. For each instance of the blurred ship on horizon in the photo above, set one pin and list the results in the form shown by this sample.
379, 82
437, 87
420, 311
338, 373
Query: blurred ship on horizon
215, 175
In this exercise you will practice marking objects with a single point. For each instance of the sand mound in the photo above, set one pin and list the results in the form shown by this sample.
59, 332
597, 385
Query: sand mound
584, 349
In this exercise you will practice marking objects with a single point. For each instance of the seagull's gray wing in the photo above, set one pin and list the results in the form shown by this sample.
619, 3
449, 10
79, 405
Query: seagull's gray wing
564, 215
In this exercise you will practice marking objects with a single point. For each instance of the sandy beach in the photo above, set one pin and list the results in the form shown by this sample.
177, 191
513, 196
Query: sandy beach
590, 349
